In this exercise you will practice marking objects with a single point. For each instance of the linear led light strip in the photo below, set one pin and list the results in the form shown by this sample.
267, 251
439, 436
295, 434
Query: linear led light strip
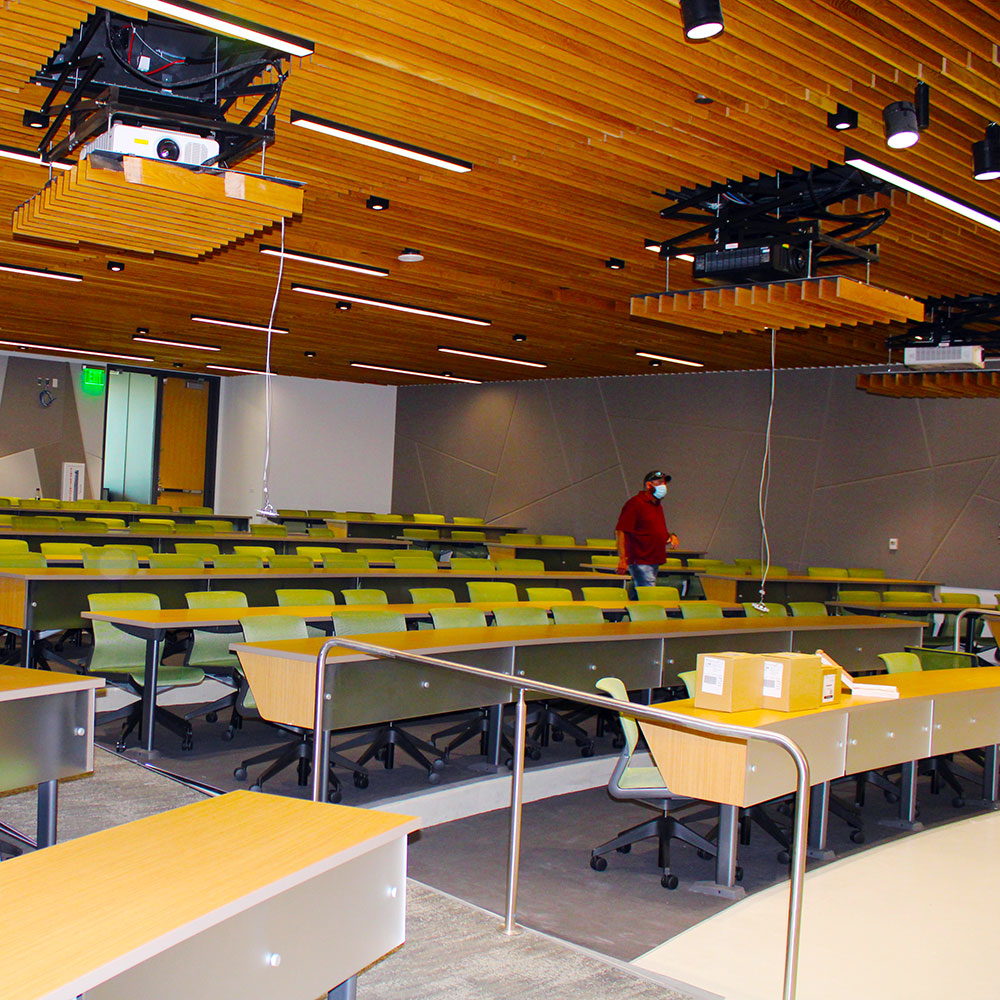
309, 258
175, 343
231, 322
492, 357
226, 24
71, 350
241, 371
855, 159
23, 156
664, 357
405, 371
37, 272
381, 142
385, 304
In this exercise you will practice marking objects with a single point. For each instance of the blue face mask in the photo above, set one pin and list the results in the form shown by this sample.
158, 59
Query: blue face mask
659, 491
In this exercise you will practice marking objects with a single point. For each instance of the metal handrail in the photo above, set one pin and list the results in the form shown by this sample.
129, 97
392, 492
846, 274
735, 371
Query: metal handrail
969, 612
321, 757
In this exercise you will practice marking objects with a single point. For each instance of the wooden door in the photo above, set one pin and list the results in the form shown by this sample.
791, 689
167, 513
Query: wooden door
183, 439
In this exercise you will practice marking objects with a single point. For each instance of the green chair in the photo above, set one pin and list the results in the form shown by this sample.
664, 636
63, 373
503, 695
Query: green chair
36, 522
414, 560
858, 597
203, 550
432, 595
209, 650
120, 658
957, 597
107, 522
85, 528
364, 596
645, 612
657, 594
468, 520
866, 572
577, 614
12, 546
344, 560
945, 636
549, 593
175, 560
491, 591
457, 618
699, 563
609, 562
237, 560
806, 609
136, 528
7, 519
429, 518
520, 566
518, 617
166, 522
384, 741
324, 514
834, 571
196, 510
631, 782
66, 550
901, 663
304, 598
468, 536
556, 540
906, 597
110, 559
315, 531
22, 560
290, 562
422, 534
269, 530
193, 529
602, 543
299, 750
316, 552
263, 552
689, 678
295, 513
943, 659
376, 555
700, 609
750, 610
515, 538
222, 527
603, 593
466, 564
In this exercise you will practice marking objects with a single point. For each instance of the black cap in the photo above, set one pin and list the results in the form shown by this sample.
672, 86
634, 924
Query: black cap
656, 474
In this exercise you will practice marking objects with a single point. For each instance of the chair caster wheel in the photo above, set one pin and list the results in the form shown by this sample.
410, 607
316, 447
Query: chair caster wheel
958, 802
534, 753
704, 855
434, 778
255, 788
212, 717
857, 836
120, 746
784, 857
228, 735
624, 849
587, 751
509, 763
334, 796
598, 863
739, 873
187, 742
669, 881
891, 797
360, 779
557, 736
438, 764
240, 774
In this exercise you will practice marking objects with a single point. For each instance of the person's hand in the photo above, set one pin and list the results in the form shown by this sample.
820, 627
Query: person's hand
672, 541
622, 565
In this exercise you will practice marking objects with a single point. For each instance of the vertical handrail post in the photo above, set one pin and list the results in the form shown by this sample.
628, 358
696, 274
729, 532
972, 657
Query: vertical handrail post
516, 793
321, 753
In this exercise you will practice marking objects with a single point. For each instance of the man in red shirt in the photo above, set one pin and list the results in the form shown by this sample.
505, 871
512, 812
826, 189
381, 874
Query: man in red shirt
641, 531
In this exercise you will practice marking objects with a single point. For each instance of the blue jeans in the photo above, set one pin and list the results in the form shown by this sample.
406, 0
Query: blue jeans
643, 575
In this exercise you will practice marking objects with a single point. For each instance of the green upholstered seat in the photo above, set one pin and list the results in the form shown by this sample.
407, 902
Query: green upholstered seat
110, 558
433, 518
458, 617
237, 560
364, 595
901, 663
175, 560
602, 543
107, 522
317, 531
491, 590
211, 649
215, 524
603, 593
906, 597
689, 678
645, 612
303, 597
344, 560
549, 593
700, 609
468, 536
424, 534
805, 609
520, 566
10, 546
658, 593
577, 614
859, 596
432, 595
316, 552
466, 564
269, 530
204, 550
863, 571
349, 622
196, 510
281, 561
506, 617
415, 560
22, 560
263, 552
556, 540
609, 562
184, 528
468, 520
835, 571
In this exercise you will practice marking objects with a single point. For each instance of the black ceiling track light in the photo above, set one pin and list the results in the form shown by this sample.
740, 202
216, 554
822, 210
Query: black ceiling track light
702, 19
986, 155
905, 120
842, 119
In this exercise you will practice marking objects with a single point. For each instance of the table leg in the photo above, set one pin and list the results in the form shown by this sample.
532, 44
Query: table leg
494, 741
725, 862
28, 647
907, 800
149, 691
819, 823
347, 990
991, 791
48, 813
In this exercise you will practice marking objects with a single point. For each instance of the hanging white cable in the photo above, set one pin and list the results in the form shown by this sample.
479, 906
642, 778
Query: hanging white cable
266, 508
765, 485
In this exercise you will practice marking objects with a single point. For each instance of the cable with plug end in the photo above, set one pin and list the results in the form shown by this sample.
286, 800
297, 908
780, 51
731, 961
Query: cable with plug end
765, 485
267, 508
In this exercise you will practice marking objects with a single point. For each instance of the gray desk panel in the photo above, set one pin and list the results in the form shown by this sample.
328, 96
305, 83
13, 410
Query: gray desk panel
579, 664
964, 719
856, 649
889, 732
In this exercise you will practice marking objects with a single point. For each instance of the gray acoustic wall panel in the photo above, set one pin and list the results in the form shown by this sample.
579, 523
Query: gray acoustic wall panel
848, 470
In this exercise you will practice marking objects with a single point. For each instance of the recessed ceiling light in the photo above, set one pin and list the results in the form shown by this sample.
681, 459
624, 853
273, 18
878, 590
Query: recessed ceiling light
143, 338
37, 272
309, 354
70, 350
375, 141
685, 256
666, 357
519, 338
842, 119
703, 99
228, 24
343, 306
115, 265
405, 371
410, 256
377, 204
653, 245
312, 258
492, 357
615, 263
397, 306
238, 324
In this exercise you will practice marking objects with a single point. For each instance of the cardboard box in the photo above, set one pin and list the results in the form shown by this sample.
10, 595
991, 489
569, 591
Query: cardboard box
831, 688
792, 682
729, 682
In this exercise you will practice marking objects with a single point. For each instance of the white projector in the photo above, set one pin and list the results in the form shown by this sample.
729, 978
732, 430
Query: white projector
155, 143
940, 358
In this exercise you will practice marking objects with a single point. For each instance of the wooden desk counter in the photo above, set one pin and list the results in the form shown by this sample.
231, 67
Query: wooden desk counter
147, 909
346, 526
733, 587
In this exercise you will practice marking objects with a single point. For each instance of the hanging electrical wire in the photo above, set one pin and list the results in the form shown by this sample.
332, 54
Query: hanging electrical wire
765, 485
266, 507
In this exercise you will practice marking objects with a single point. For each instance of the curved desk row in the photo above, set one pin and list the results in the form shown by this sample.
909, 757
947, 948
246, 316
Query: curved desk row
729, 587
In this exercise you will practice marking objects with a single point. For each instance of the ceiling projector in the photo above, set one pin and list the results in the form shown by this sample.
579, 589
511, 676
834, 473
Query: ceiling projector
154, 143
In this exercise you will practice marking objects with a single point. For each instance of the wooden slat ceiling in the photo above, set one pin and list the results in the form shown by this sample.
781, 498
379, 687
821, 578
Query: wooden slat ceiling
573, 114
933, 385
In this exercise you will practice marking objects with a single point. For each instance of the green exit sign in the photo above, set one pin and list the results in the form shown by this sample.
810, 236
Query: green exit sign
93, 380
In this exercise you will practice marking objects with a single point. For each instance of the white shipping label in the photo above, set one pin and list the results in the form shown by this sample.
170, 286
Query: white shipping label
774, 673
713, 675
829, 688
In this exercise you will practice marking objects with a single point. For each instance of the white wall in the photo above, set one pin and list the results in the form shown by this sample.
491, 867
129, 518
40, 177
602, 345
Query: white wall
332, 444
